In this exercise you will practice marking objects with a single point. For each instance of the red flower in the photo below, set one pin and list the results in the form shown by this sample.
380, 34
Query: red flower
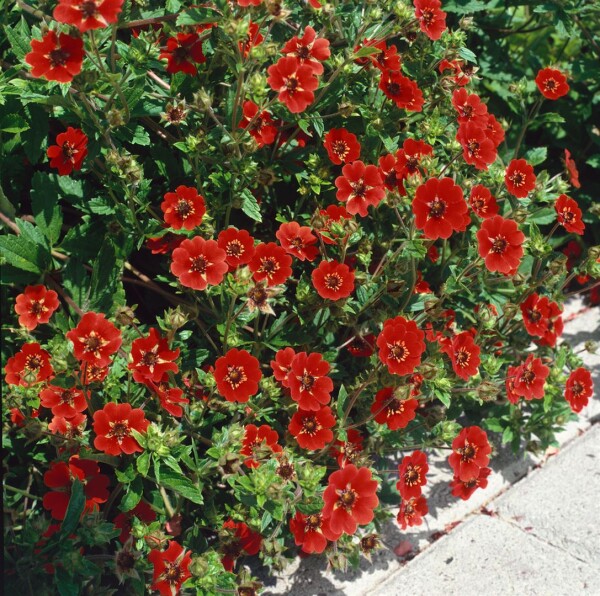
246, 3
298, 240
270, 263
69, 152
409, 156
542, 318
470, 452
88, 14
199, 263
569, 214
307, 50
282, 365
469, 108
238, 246
165, 244
243, 540
362, 346
412, 473
333, 280
308, 381
183, 208
500, 244
346, 452
142, 511
511, 375
440, 208
56, 58
401, 345
171, 568
260, 126
29, 366
61, 475
113, 425
95, 339
579, 389
552, 83
312, 532
90, 373
401, 90
412, 511
464, 489
388, 57
237, 375
462, 72
432, 19
350, 498
70, 428
391, 411
152, 358
389, 171
478, 149
170, 398
530, 378
323, 224
311, 428
35, 305
359, 186
465, 355
182, 52
63, 402
342, 146
294, 82
482, 202
258, 444
253, 39
494, 130
572, 169
519, 178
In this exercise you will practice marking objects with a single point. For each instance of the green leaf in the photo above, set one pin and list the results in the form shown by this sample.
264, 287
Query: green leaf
19, 38
143, 463
267, 518
106, 277
74, 508
27, 251
341, 401
366, 51
467, 55
65, 583
133, 495
44, 204
543, 216
197, 16
250, 206
180, 484
537, 155
13, 123
140, 136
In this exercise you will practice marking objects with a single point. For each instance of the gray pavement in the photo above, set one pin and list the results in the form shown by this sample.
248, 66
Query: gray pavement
540, 533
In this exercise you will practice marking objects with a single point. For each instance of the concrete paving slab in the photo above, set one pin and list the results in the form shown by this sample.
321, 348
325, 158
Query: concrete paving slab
560, 503
489, 556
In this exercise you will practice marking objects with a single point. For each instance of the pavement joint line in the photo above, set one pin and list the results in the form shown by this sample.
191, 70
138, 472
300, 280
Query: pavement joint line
531, 534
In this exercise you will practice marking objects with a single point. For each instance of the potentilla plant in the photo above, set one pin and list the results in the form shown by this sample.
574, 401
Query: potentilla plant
257, 254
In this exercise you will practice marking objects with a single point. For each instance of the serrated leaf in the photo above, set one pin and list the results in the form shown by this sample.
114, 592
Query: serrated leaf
250, 205
44, 204
197, 16
366, 51
140, 136
467, 55
13, 123
19, 38
74, 508
133, 495
180, 484
543, 216
142, 463
537, 155
341, 401
28, 251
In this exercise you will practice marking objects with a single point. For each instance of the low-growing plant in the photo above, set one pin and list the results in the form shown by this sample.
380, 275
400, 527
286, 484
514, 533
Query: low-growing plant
257, 253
